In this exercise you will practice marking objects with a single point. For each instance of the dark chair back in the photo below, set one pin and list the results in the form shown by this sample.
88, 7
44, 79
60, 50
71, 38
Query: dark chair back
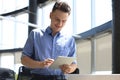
7, 74
77, 71
24, 73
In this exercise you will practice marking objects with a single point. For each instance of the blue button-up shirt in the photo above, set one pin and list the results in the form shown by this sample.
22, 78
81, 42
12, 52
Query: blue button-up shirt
41, 45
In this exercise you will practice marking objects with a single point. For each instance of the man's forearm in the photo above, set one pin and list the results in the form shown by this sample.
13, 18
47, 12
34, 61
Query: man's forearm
25, 60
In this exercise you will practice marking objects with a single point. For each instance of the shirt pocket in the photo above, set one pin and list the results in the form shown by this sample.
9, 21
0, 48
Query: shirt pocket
62, 50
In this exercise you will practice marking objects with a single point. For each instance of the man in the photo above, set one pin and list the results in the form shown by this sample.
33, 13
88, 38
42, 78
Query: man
44, 46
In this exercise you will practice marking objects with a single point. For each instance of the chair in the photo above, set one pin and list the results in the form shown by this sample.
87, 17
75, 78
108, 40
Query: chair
77, 71
24, 73
7, 74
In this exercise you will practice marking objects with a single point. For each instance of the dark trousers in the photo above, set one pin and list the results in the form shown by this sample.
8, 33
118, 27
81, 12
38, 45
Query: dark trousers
48, 77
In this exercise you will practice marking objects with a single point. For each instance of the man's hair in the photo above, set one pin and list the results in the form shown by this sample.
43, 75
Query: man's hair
62, 6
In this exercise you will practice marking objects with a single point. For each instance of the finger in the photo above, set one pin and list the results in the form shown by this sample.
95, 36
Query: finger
50, 59
49, 62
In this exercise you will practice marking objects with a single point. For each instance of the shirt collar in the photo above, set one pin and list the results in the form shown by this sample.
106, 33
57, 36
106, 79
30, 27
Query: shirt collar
49, 31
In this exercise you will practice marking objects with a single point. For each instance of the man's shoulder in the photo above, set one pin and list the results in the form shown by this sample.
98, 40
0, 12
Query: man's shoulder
38, 30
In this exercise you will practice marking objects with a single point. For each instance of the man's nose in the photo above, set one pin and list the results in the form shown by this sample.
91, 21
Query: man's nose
60, 23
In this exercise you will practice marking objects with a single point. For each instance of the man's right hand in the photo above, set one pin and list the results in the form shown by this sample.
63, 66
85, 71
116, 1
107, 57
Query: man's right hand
47, 62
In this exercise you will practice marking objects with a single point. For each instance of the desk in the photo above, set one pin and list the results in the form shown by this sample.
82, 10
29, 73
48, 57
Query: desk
93, 77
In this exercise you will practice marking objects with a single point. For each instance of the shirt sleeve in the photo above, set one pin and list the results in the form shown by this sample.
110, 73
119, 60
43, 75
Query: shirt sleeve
28, 49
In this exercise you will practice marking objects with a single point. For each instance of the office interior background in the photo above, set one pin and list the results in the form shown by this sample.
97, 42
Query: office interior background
89, 23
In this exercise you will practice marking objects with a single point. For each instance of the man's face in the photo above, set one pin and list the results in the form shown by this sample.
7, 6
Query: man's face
58, 20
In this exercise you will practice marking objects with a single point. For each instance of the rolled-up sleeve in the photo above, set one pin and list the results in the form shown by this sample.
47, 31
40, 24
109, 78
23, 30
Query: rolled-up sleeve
28, 49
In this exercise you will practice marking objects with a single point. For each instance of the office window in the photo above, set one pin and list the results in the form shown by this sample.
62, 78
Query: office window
21, 3
21, 30
82, 15
7, 29
91, 14
103, 11
0, 34
9, 6
16, 30
7, 61
44, 16
13, 28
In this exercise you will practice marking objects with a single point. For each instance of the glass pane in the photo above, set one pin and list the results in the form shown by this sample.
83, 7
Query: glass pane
9, 6
7, 38
1, 33
21, 30
103, 11
44, 19
69, 24
5, 57
16, 30
21, 3
83, 15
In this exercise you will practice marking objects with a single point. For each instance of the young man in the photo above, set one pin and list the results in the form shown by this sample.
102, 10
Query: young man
44, 46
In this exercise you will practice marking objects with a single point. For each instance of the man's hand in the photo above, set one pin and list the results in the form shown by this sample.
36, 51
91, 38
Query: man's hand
47, 62
68, 68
